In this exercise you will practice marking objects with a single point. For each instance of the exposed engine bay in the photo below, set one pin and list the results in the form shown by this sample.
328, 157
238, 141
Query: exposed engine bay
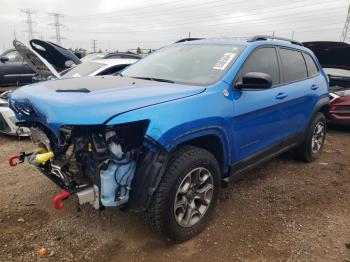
97, 163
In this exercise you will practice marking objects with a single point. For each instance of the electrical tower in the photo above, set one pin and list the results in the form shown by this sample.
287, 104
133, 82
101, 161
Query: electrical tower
29, 21
58, 26
94, 45
345, 36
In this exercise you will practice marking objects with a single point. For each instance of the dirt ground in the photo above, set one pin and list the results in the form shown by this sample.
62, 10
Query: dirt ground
284, 211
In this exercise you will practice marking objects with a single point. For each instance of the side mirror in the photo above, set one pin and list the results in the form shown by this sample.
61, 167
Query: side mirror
4, 59
255, 80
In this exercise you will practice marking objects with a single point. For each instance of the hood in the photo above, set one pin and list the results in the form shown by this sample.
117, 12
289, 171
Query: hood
91, 100
56, 55
39, 65
331, 54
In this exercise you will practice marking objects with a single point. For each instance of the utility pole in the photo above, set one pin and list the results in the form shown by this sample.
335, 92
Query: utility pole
29, 22
14, 34
57, 26
94, 45
345, 36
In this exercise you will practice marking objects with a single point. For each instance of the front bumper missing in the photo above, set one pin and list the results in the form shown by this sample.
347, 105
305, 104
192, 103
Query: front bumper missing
86, 193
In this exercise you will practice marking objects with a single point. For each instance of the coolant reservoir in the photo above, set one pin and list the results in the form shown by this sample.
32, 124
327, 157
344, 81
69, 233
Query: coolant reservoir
115, 183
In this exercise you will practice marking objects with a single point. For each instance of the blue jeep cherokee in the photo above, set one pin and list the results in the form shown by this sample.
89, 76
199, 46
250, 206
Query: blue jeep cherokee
162, 136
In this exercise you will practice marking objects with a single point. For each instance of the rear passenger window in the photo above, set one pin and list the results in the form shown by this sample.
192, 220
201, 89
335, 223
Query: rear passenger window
263, 60
312, 68
294, 67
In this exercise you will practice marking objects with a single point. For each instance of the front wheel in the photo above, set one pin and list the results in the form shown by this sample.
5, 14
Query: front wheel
186, 196
311, 148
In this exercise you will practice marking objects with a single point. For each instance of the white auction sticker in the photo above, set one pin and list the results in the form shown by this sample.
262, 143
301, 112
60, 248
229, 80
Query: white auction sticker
224, 61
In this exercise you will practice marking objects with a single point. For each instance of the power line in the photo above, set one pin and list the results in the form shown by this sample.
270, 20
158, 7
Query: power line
346, 30
57, 26
205, 6
287, 19
29, 21
193, 22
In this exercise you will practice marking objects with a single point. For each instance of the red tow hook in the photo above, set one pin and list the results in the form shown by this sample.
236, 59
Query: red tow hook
57, 201
18, 159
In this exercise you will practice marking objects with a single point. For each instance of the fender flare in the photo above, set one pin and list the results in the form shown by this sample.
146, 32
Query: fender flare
324, 101
151, 168
214, 130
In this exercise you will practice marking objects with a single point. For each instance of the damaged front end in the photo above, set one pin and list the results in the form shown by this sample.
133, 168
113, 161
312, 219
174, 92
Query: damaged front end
98, 162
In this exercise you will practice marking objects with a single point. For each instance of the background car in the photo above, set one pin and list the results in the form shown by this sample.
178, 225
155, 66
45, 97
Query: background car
8, 119
335, 60
51, 61
94, 56
14, 71
47, 70
98, 67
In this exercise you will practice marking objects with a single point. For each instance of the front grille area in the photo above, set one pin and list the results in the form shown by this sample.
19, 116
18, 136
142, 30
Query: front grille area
4, 127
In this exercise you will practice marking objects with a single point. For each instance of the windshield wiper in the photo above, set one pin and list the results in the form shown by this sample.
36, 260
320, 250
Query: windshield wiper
155, 79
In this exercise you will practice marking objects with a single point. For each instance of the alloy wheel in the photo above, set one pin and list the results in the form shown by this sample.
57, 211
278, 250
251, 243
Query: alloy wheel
193, 197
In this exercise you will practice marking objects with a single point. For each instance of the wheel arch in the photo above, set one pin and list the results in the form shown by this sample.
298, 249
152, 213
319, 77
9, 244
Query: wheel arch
213, 139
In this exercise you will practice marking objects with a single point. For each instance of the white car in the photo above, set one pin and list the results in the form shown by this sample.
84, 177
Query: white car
47, 71
8, 119
97, 67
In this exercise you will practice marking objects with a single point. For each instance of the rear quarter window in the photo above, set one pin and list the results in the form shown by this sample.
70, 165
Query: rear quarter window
293, 64
312, 68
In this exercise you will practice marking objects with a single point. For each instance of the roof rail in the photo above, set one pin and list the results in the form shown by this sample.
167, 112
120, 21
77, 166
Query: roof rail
187, 39
266, 37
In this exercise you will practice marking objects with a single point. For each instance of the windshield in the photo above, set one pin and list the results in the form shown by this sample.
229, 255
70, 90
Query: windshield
337, 72
186, 63
83, 69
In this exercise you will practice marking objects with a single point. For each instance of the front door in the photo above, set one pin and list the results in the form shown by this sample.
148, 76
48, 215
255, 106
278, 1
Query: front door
257, 121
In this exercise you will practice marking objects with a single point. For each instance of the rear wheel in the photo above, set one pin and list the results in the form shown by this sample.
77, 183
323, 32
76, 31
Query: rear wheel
186, 196
311, 148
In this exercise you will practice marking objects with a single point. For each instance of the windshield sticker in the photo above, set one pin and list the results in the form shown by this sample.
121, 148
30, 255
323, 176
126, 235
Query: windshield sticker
224, 61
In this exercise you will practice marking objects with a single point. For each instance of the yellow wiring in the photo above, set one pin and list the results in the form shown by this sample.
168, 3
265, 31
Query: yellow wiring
43, 158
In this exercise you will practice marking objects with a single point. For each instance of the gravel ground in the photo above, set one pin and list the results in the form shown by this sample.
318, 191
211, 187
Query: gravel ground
283, 211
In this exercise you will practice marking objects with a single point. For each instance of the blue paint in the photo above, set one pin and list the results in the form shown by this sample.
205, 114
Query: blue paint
246, 122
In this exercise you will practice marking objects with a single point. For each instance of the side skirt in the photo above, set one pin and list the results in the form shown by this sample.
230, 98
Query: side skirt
263, 156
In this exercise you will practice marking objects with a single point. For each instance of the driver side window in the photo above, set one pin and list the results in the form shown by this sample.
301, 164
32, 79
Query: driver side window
262, 60
14, 56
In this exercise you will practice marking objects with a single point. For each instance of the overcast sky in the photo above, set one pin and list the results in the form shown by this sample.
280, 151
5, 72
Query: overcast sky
120, 25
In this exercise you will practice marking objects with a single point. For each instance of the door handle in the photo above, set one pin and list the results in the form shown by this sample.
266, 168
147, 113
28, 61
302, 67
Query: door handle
281, 95
314, 87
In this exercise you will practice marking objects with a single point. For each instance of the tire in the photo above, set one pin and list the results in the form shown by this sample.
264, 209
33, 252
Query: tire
187, 165
307, 151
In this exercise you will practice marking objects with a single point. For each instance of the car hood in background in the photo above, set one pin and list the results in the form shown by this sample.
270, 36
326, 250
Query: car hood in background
92, 100
39, 65
54, 54
331, 54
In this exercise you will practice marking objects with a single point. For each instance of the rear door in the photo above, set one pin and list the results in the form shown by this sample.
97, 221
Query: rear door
297, 85
257, 121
